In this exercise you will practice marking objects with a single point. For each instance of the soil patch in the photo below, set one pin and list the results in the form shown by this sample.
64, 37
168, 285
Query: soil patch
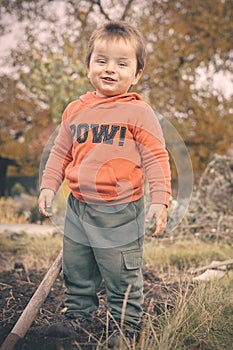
17, 287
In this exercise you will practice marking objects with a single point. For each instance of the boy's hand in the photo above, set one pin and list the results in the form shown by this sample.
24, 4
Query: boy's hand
45, 202
158, 211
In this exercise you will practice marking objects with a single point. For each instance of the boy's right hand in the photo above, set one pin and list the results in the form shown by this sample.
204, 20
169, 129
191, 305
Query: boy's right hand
45, 201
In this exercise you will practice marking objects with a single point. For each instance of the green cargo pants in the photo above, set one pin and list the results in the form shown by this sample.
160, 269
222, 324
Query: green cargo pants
104, 243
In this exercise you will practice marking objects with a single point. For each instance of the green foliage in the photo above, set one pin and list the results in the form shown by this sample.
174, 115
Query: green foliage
55, 76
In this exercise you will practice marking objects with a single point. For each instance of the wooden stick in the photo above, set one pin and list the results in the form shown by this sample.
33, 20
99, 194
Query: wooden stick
213, 266
27, 317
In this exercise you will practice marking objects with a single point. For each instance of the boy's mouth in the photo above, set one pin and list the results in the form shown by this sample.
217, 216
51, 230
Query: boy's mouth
108, 79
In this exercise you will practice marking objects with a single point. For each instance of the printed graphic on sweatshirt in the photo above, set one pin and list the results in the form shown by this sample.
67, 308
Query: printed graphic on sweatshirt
100, 133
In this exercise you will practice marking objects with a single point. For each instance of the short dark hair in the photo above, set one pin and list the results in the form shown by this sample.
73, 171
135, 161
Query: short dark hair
119, 30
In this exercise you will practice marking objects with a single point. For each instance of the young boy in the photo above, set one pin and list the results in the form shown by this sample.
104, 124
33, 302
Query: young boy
106, 140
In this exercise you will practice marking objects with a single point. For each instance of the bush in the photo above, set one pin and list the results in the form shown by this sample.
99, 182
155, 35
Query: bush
11, 212
17, 189
35, 216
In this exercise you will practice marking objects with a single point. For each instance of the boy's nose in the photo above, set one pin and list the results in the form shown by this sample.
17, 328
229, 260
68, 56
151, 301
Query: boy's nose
110, 67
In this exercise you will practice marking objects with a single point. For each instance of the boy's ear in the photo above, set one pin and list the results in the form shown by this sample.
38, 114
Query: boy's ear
137, 77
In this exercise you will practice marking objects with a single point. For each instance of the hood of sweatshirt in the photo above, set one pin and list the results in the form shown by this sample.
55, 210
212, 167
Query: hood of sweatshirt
91, 99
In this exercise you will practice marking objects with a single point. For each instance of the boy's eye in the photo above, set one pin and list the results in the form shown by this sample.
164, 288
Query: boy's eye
122, 64
101, 61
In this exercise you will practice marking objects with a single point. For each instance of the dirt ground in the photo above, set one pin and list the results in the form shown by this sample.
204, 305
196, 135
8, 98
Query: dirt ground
17, 287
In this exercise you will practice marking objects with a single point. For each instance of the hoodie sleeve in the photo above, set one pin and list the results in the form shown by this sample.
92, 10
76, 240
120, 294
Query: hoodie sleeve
60, 156
155, 160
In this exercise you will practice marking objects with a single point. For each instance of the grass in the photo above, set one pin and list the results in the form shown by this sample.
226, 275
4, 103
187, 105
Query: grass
203, 313
183, 253
164, 256
202, 317
33, 251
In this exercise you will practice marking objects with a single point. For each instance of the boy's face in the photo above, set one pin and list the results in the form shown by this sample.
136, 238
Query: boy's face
112, 68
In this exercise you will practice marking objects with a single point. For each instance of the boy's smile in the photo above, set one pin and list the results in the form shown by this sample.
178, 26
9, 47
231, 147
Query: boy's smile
112, 69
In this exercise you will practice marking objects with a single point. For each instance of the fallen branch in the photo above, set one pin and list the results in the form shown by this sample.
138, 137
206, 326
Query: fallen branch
210, 275
213, 266
32, 308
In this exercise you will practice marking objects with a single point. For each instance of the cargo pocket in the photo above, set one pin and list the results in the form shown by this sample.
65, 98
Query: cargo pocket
132, 261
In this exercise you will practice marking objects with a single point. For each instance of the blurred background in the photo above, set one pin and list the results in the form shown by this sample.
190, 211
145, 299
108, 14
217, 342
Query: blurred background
188, 77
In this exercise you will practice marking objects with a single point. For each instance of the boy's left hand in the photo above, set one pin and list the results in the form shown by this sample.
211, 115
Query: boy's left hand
158, 211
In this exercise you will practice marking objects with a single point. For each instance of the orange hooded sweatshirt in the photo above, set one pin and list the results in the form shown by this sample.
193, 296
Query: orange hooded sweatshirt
103, 147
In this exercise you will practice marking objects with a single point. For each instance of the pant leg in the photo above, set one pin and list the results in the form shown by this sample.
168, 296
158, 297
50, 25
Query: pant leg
82, 279
80, 270
121, 269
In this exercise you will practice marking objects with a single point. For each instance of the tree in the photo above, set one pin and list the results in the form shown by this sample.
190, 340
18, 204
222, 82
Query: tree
22, 120
186, 40
183, 37
55, 75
